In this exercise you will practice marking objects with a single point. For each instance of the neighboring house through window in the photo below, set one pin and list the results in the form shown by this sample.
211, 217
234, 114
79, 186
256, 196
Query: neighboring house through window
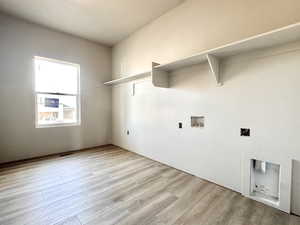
57, 93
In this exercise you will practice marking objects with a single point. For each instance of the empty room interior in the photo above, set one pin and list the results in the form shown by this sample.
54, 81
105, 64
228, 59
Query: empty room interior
160, 112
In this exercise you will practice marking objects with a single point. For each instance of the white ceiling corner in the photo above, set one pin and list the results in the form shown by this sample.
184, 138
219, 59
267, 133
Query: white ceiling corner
103, 21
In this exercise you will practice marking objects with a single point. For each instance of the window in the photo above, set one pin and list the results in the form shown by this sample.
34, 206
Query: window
57, 93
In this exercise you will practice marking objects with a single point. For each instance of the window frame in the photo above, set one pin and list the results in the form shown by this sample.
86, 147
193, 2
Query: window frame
78, 95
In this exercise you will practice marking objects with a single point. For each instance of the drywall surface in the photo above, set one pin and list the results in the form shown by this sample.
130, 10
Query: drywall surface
198, 25
19, 139
260, 93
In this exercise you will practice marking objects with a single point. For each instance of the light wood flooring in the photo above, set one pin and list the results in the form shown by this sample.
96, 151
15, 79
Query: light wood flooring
113, 186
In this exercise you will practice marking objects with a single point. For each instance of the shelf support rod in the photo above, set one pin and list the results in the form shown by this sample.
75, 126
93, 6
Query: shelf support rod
214, 64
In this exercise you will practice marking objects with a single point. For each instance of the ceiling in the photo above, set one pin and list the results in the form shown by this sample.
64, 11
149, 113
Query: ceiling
103, 21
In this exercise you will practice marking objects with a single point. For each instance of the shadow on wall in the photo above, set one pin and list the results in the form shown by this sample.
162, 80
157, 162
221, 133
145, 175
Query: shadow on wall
199, 77
192, 78
296, 187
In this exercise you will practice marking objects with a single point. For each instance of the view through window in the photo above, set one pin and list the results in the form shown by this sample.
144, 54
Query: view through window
57, 93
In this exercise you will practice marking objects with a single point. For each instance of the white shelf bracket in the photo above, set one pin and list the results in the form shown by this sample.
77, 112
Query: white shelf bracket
160, 78
214, 64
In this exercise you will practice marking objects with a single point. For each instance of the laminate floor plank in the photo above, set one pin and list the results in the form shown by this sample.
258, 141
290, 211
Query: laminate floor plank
183, 204
112, 186
129, 201
81, 199
70, 221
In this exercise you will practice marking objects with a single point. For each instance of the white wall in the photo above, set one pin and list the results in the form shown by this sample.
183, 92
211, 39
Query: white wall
198, 25
19, 43
260, 92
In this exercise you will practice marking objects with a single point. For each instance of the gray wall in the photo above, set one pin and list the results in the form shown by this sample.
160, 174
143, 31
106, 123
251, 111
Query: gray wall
19, 43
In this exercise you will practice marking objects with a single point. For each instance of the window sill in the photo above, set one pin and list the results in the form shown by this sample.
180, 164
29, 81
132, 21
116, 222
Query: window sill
58, 125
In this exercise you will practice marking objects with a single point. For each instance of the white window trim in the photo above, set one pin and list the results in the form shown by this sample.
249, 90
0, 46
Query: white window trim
78, 99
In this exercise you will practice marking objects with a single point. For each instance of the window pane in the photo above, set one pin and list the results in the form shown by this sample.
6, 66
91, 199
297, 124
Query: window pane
53, 109
55, 77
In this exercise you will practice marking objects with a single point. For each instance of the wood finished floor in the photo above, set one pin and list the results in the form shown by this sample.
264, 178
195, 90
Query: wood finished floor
113, 186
